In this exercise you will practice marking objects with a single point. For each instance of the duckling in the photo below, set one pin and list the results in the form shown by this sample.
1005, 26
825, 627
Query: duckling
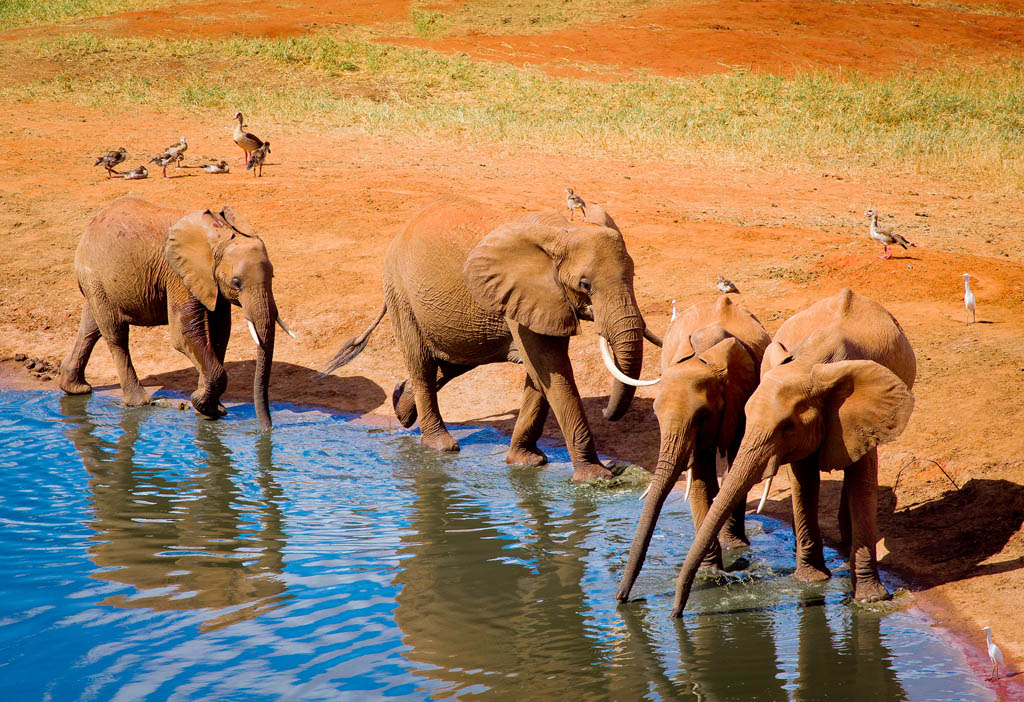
111, 159
164, 159
221, 167
725, 285
176, 151
137, 173
246, 141
257, 159
572, 201
885, 237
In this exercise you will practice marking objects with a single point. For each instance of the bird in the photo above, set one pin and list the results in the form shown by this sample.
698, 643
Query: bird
994, 654
221, 167
164, 159
972, 312
725, 285
674, 313
111, 159
137, 173
176, 152
572, 200
885, 236
257, 159
246, 141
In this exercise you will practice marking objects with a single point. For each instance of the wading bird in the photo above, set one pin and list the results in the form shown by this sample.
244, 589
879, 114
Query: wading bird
111, 159
574, 201
886, 237
994, 654
969, 305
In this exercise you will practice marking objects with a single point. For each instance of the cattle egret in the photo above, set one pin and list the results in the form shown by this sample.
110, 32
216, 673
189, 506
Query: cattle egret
994, 654
969, 301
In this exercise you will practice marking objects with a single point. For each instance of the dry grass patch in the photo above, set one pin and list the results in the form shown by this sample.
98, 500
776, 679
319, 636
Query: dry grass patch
20, 13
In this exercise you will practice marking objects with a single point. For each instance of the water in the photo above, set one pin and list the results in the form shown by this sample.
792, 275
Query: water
151, 555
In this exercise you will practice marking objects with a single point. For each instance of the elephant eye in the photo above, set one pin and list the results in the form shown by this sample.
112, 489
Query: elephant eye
584, 285
236, 283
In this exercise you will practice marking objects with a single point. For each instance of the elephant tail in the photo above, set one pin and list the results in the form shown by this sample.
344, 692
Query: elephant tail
352, 347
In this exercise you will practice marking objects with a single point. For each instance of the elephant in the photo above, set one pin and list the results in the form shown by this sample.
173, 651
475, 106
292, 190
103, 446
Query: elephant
465, 285
145, 265
710, 362
836, 382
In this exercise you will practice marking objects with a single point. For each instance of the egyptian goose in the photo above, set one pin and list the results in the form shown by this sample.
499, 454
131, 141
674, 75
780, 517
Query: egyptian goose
246, 141
137, 173
111, 159
164, 159
573, 201
257, 159
221, 167
725, 285
885, 237
176, 152
969, 304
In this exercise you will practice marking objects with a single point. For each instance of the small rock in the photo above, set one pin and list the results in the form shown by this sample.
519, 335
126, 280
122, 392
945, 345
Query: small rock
19, 357
31, 365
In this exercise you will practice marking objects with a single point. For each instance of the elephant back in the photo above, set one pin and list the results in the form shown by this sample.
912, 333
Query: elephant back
722, 313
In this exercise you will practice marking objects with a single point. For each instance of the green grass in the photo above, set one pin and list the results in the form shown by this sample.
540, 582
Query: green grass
943, 122
19, 13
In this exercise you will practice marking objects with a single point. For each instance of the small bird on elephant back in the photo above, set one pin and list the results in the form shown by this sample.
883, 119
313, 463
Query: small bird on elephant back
514, 289
141, 264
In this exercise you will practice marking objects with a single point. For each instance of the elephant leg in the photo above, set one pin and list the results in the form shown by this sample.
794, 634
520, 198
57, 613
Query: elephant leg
190, 335
702, 493
72, 368
546, 359
810, 551
845, 527
404, 400
734, 531
861, 486
116, 336
533, 412
219, 323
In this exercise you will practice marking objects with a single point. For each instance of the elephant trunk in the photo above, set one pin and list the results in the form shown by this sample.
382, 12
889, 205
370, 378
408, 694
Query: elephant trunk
745, 473
625, 335
676, 447
261, 316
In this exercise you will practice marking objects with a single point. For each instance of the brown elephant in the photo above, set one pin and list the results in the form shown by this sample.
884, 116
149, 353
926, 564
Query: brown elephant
145, 265
835, 383
465, 286
709, 367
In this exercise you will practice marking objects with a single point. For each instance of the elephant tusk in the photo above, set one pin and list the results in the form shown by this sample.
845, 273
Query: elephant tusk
255, 336
284, 326
764, 495
606, 354
645, 492
689, 478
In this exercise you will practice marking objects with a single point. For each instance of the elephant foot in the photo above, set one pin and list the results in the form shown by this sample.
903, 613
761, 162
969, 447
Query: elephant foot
522, 456
440, 442
812, 574
204, 406
135, 398
404, 404
730, 539
871, 591
74, 386
586, 472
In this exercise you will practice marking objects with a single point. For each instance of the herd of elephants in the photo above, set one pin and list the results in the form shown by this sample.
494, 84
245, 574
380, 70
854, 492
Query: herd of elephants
465, 285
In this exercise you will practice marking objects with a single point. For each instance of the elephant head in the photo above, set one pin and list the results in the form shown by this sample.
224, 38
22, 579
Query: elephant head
705, 382
549, 277
838, 411
217, 261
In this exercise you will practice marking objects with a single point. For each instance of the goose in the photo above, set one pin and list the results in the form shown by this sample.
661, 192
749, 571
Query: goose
246, 141
137, 173
994, 654
176, 152
257, 159
725, 285
221, 167
111, 159
969, 301
164, 159
573, 201
885, 236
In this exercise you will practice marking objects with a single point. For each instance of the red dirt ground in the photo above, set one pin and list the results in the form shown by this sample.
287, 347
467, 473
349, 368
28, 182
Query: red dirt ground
328, 206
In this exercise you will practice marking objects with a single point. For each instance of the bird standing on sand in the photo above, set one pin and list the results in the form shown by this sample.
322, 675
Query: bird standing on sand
573, 201
111, 159
246, 141
969, 301
257, 159
885, 237
994, 654
221, 167
164, 159
725, 285
176, 152
136, 173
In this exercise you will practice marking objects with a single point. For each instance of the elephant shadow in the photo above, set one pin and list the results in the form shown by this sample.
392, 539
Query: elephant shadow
288, 383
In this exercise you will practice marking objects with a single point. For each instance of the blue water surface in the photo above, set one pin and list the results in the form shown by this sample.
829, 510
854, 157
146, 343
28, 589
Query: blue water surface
152, 555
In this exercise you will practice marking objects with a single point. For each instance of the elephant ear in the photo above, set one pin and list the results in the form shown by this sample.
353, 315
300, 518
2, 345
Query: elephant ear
775, 355
863, 404
512, 271
734, 364
597, 215
190, 244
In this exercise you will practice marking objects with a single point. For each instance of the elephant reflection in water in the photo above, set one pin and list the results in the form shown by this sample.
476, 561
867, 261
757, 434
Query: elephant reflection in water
733, 656
151, 536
